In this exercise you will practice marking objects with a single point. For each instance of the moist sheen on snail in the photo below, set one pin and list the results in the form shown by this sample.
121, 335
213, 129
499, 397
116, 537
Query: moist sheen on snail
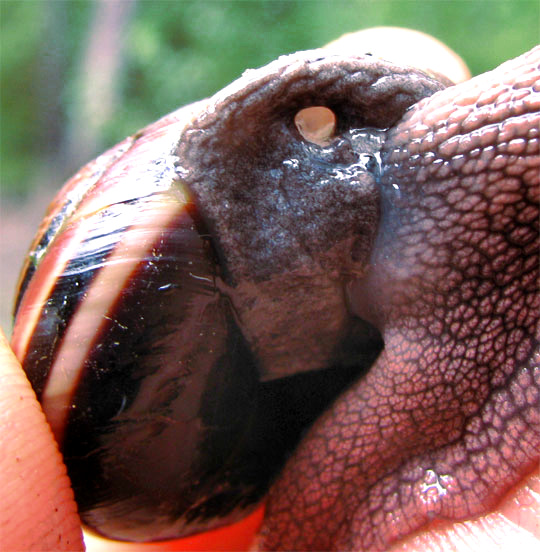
182, 279
196, 296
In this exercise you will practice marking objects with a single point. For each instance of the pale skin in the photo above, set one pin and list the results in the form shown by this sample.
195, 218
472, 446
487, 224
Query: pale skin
38, 511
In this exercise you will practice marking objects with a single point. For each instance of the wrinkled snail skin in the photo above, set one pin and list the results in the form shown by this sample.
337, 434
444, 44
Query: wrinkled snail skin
180, 276
198, 296
448, 417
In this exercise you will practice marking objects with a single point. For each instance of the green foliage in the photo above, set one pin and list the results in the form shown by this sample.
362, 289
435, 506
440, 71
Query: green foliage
179, 51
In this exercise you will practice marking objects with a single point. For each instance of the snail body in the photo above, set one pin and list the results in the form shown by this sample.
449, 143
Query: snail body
155, 328
197, 296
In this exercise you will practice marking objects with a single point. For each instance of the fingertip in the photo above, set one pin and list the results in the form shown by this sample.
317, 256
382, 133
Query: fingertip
405, 47
37, 510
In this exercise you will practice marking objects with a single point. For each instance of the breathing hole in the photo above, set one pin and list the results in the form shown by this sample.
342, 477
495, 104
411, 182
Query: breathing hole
316, 124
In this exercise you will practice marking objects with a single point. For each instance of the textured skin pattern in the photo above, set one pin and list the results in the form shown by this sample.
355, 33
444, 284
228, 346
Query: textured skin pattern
449, 416
179, 276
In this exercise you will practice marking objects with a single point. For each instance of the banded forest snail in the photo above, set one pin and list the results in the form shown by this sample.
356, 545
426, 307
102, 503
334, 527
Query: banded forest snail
204, 291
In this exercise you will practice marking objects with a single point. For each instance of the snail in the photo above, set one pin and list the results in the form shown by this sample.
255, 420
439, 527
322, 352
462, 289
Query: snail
237, 288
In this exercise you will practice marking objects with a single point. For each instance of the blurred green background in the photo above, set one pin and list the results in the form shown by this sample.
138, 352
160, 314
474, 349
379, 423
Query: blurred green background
78, 76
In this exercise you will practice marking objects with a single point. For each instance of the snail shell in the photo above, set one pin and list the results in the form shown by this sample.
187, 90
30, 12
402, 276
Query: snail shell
181, 315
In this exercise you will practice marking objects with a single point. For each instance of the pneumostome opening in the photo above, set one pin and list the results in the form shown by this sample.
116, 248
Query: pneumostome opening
316, 124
